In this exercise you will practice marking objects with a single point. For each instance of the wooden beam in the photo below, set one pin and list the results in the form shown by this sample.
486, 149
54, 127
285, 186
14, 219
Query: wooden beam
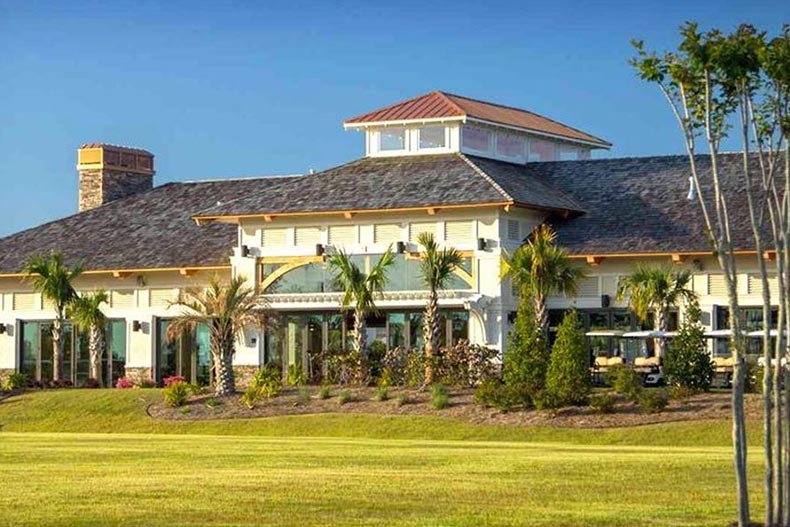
594, 260
187, 272
268, 218
770, 256
348, 215
679, 258
432, 211
121, 274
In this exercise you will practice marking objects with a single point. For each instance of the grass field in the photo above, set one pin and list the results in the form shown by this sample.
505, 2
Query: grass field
84, 457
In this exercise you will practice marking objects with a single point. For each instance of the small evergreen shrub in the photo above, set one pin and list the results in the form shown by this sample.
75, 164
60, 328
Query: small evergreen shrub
213, 402
603, 403
296, 376
16, 381
403, 399
324, 392
625, 381
251, 396
687, 363
304, 395
681, 393
494, 394
267, 380
653, 401
177, 393
345, 396
382, 393
184, 410
568, 378
440, 397
526, 356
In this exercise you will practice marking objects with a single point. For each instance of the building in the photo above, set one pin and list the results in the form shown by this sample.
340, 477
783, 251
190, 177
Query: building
478, 175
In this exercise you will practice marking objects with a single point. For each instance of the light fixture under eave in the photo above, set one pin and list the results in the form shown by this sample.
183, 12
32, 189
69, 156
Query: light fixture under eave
692, 195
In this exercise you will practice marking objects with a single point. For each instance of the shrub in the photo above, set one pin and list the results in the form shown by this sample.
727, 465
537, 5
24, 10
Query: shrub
91, 383
124, 383
324, 392
16, 381
653, 401
568, 377
687, 363
403, 367
147, 383
177, 393
625, 381
296, 375
440, 398
494, 394
526, 356
382, 394
213, 402
345, 396
267, 380
403, 399
251, 396
343, 367
466, 364
682, 392
603, 403
173, 379
304, 395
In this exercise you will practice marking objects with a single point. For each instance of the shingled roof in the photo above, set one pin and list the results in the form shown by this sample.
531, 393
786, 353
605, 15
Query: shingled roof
640, 205
402, 182
443, 105
153, 229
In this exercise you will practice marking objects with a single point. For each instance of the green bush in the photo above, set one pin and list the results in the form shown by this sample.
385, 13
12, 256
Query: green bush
440, 397
494, 394
625, 381
526, 356
603, 403
251, 396
466, 364
177, 394
687, 362
568, 376
213, 402
268, 381
303, 396
382, 393
16, 381
324, 392
682, 392
345, 396
653, 401
296, 375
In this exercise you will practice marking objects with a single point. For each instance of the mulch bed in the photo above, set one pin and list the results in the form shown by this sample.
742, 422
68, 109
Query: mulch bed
714, 405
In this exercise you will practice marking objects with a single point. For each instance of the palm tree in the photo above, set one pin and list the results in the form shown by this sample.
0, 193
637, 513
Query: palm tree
540, 268
360, 289
51, 277
226, 310
657, 289
85, 313
436, 267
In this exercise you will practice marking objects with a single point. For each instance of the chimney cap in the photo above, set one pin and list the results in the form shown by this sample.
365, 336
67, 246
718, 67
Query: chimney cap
116, 147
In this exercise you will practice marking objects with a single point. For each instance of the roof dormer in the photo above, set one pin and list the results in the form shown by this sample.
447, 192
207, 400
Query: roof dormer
441, 122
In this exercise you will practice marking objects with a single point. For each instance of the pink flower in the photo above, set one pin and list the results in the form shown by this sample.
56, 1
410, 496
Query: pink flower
175, 378
123, 383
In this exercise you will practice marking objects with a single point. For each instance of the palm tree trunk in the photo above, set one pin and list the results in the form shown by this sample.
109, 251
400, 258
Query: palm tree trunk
541, 313
225, 380
360, 334
661, 325
430, 335
95, 349
57, 348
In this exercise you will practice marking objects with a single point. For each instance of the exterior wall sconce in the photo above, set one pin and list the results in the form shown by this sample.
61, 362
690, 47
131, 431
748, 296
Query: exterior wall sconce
245, 251
2, 329
606, 301
482, 244
400, 247
136, 325
319, 249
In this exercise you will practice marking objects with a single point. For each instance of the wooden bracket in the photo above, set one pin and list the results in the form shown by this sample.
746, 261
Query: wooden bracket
121, 274
594, 260
187, 272
679, 258
348, 215
268, 218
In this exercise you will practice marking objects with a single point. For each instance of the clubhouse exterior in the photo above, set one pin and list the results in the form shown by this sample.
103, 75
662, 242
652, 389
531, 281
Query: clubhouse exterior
478, 175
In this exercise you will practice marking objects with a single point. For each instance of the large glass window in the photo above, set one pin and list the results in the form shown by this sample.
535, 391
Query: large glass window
392, 139
510, 145
540, 150
432, 137
187, 354
396, 326
475, 138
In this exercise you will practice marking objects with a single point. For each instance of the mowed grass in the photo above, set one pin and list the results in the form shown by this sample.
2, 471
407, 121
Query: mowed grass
83, 457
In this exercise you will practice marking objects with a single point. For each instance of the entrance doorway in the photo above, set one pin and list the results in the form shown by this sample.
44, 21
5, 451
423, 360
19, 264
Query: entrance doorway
188, 355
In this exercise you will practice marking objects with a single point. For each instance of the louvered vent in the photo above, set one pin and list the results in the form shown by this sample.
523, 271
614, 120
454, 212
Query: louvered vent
513, 228
589, 287
343, 235
163, 297
415, 229
122, 299
273, 237
307, 236
717, 285
24, 301
458, 232
756, 286
386, 233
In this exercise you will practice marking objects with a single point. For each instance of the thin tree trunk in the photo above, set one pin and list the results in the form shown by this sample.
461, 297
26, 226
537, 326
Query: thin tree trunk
96, 347
541, 313
661, 325
430, 335
226, 382
57, 349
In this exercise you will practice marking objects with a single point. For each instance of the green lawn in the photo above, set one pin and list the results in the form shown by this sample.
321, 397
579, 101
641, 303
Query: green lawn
60, 466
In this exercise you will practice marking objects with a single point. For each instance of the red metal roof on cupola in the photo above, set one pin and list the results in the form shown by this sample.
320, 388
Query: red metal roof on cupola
438, 105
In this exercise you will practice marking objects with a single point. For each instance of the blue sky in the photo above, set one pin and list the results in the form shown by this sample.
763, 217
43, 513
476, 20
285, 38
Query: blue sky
227, 89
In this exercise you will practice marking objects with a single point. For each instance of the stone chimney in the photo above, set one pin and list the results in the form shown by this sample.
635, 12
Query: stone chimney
109, 172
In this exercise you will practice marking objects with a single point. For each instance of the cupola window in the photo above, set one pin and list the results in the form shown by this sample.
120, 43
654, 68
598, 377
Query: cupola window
476, 139
392, 139
432, 137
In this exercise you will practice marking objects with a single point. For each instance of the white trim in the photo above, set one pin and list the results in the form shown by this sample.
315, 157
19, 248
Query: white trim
402, 122
536, 132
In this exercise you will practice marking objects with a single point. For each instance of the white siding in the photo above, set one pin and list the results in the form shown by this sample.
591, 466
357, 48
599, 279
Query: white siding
122, 299
163, 297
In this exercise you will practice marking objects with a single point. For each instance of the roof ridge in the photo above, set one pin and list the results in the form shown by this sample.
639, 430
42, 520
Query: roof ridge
451, 102
448, 94
401, 103
485, 176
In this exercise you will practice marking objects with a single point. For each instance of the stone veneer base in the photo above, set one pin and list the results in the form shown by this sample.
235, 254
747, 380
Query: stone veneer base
137, 375
5, 373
